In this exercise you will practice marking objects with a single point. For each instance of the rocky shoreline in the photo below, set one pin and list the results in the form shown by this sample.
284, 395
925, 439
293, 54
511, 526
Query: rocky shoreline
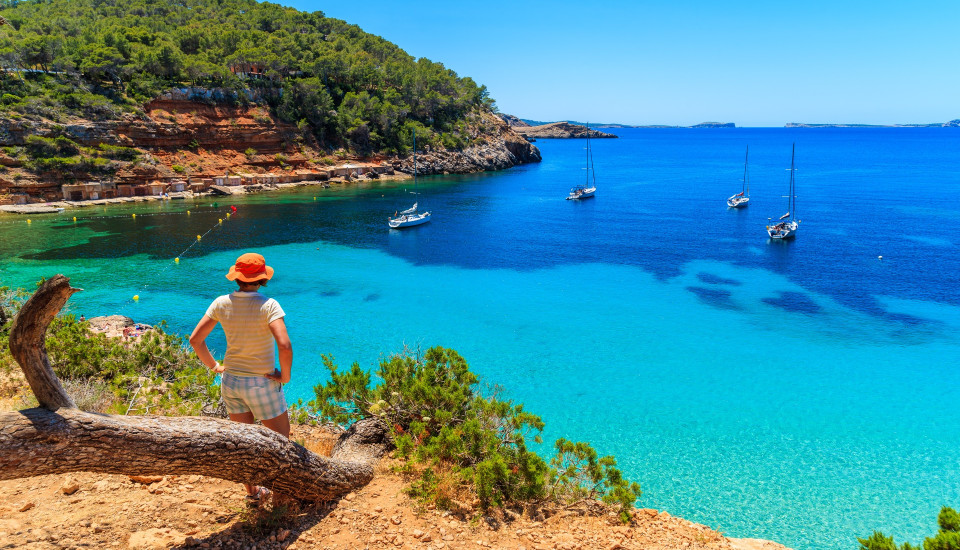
179, 140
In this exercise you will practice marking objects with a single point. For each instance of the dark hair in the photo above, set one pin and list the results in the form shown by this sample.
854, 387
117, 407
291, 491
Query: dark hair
258, 282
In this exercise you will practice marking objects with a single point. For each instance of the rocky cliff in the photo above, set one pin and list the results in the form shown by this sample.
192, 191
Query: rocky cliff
176, 137
500, 147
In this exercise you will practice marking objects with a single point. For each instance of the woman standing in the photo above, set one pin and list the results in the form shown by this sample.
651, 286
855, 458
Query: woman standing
252, 388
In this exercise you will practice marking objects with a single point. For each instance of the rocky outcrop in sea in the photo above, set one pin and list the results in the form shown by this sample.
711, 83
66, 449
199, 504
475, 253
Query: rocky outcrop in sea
500, 148
553, 130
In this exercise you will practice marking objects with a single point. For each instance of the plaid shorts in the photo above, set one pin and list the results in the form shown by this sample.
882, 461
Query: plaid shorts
261, 396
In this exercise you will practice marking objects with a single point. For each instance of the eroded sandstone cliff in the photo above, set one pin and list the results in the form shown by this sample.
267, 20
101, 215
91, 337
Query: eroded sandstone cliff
178, 138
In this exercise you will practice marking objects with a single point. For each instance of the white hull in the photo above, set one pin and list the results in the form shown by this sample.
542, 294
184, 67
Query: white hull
581, 193
409, 220
738, 202
785, 230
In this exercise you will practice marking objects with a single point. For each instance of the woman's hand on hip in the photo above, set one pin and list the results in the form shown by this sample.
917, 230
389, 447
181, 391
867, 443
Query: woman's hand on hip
276, 376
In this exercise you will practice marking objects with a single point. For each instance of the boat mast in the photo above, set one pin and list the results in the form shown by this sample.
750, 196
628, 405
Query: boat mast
586, 183
593, 172
746, 184
792, 202
416, 201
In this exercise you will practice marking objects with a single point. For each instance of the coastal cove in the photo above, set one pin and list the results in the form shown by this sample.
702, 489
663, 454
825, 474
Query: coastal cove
799, 392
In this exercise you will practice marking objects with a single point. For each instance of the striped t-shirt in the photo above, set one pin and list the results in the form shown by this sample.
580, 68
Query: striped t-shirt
245, 317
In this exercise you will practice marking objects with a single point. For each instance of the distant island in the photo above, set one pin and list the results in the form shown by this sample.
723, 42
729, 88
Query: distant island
516, 122
521, 122
532, 130
951, 124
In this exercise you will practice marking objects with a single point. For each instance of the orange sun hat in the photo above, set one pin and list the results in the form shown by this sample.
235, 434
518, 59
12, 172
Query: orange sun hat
250, 267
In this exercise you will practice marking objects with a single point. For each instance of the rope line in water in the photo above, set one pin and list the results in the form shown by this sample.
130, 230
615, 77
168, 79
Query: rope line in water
176, 261
61, 217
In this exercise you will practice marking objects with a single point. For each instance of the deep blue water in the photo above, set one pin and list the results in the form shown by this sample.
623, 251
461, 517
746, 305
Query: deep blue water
803, 391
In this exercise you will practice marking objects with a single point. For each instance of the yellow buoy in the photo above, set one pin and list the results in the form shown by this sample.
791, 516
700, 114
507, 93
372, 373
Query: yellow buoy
198, 237
74, 218
314, 198
29, 220
134, 215
228, 215
136, 297
188, 212
176, 260
220, 221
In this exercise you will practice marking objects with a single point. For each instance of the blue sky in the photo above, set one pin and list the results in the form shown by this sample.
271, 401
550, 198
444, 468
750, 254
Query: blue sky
684, 62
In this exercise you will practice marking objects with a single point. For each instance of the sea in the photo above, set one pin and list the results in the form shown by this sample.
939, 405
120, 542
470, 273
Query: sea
806, 392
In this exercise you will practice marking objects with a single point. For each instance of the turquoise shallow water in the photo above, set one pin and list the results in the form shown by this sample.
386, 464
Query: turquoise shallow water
803, 392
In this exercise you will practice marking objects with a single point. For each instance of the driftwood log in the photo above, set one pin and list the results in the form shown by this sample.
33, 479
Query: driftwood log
58, 438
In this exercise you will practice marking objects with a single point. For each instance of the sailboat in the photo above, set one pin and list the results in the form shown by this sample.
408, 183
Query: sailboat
743, 197
586, 190
411, 216
787, 225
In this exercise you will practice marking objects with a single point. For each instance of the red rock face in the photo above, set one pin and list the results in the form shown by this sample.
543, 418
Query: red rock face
177, 124
178, 138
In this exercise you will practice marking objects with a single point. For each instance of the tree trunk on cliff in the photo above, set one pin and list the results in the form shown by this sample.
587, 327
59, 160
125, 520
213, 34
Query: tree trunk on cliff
57, 438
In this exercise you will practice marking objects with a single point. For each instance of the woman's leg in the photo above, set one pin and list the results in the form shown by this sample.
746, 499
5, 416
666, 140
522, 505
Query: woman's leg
245, 418
279, 424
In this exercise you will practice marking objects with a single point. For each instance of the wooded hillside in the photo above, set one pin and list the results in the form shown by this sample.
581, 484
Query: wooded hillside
97, 59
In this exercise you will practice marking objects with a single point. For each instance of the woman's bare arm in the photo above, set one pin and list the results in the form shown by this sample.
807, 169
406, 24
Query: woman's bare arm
198, 340
285, 351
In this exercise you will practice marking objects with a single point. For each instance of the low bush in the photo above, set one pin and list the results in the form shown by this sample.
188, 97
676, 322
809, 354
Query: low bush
39, 147
117, 152
151, 374
947, 538
461, 443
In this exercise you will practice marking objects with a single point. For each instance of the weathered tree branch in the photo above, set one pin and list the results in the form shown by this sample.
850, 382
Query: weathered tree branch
28, 337
39, 442
58, 438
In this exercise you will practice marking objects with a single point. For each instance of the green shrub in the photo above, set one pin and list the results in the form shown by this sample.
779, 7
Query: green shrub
117, 152
151, 374
250, 152
178, 168
947, 538
458, 440
39, 147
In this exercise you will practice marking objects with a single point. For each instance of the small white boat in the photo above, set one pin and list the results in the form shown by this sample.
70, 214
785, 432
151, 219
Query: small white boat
588, 189
787, 225
581, 192
407, 220
410, 216
742, 198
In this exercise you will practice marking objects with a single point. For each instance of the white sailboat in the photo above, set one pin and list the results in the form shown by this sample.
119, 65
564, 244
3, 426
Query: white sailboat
742, 198
586, 190
787, 225
410, 216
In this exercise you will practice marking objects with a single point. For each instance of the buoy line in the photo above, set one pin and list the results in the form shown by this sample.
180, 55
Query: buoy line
176, 261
